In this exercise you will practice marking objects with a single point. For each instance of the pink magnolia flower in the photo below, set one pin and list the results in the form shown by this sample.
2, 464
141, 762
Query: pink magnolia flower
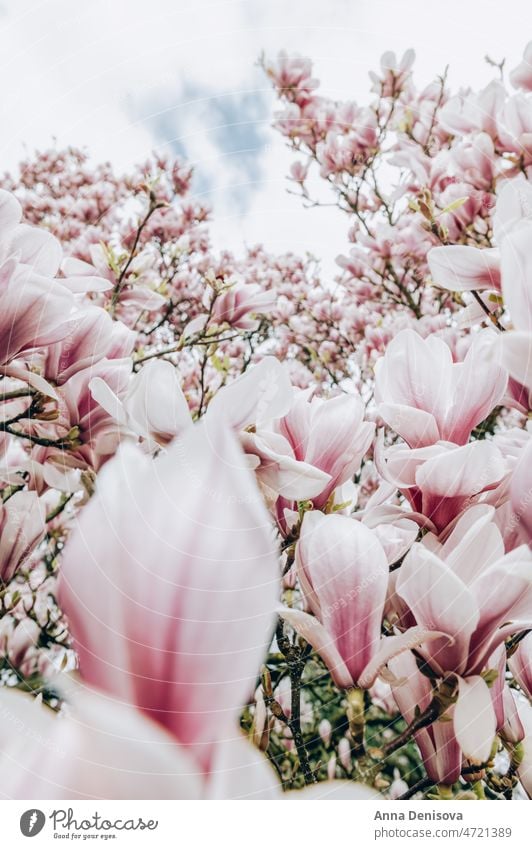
153, 407
461, 268
506, 269
168, 558
441, 481
474, 111
474, 596
22, 527
521, 76
88, 341
426, 397
437, 743
292, 75
95, 432
328, 434
343, 573
239, 304
311, 447
476, 161
394, 73
513, 206
251, 405
33, 247
464, 267
515, 127
195, 563
34, 312
516, 268
261, 394
35, 304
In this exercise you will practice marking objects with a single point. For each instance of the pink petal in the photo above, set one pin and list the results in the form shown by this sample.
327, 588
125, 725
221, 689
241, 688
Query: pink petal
474, 544
322, 642
417, 427
155, 403
38, 248
392, 647
347, 569
474, 719
170, 583
10, 211
461, 268
440, 601
240, 771
22, 527
516, 265
260, 394
103, 750
516, 355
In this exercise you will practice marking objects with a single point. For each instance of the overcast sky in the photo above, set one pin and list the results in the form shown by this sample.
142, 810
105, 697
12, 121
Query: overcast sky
121, 77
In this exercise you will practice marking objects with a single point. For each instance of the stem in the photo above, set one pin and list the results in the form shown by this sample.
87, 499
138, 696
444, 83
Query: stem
356, 717
63, 501
295, 660
295, 668
423, 784
429, 715
513, 642
492, 317
16, 393
119, 282
37, 440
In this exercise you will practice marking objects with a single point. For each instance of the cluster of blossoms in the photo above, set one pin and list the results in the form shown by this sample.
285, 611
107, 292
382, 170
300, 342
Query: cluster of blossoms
241, 502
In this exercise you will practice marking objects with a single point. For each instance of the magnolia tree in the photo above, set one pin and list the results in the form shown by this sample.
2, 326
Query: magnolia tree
261, 530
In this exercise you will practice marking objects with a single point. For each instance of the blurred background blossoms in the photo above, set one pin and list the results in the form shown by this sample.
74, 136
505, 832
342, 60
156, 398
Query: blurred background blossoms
263, 526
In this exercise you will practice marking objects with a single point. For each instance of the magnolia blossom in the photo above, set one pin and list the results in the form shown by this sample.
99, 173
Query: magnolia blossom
89, 340
239, 304
425, 397
516, 346
462, 268
506, 270
156, 711
394, 72
343, 572
33, 312
153, 407
474, 596
314, 448
521, 76
22, 527
405, 563
441, 481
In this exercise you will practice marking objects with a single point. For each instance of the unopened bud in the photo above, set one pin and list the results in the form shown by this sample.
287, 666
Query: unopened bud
331, 768
325, 731
344, 753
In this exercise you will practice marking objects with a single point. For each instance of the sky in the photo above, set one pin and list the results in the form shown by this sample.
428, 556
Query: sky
124, 77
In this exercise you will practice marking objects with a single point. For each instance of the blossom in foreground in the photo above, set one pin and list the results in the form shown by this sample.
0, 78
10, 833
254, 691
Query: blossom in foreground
170, 582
